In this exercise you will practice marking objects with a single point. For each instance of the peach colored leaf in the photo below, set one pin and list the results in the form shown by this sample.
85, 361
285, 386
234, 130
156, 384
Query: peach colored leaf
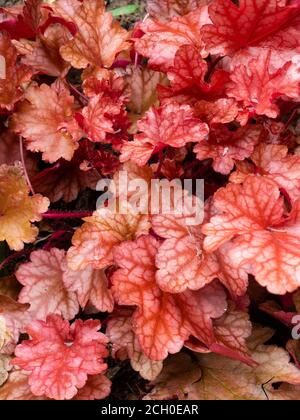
179, 373
180, 259
142, 86
225, 379
17, 388
235, 279
220, 111
43, 54
232, 330
265, 243
162, 40
263, 23
13, 316
166, 9
120, 333
96, 388
225, 147
4, 368
15, 74
94, 241
260, 208
91, 288
18, 210
98, 117
108, 82
133, 172
44, 288
257, 88
293, 348
183, 264
98, 39
170, 125
60, 357
46, 120
162, 321
274, 162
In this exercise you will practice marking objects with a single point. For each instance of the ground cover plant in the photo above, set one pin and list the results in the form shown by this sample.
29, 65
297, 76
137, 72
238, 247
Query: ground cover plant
98, 304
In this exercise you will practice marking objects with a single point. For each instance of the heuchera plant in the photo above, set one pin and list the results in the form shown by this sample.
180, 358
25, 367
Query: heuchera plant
198, 89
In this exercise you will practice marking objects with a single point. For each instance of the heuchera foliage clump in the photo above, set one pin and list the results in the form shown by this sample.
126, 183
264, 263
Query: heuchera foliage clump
198, 89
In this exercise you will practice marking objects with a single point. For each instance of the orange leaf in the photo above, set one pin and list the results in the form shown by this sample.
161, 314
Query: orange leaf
15, 74
43, 54
46, 120
44, 288
94, 241
163, 321
91, 287
18, 210
98, 39
166, 9
120, 333
60, 357
265, 243
257, 86
170, 125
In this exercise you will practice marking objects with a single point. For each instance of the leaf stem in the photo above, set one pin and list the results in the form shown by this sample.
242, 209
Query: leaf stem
53, 214
24, 166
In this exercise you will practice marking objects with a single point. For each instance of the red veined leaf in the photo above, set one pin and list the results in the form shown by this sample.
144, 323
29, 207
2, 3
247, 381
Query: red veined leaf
44, 288
43, 54
14, 76
226, 147
259, 23
98, 39
120, 333
265, 243
162, 40
94, 241
163, 321
170, 125
257, 87
275, 163
60, 357
46, 120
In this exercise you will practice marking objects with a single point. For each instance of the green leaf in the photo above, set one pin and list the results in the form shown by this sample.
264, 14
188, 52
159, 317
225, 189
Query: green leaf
125, 10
